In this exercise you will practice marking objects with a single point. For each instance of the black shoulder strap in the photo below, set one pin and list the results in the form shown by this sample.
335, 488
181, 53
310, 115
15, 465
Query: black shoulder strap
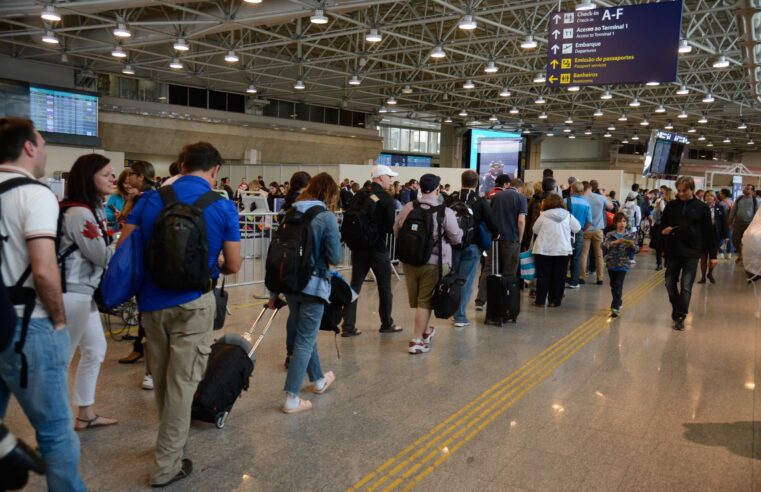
12, 183
440, 214
168, 195
206, 199
312, 212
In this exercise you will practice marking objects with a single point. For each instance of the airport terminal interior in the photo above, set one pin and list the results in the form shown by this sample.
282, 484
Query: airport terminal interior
650, 108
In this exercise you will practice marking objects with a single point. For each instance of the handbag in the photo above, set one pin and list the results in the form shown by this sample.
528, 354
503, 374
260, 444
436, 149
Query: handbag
528, 267
220, 299
124, 276
482, 236
448, 291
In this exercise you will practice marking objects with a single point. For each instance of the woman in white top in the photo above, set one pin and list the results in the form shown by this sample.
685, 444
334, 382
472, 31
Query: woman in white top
552, 247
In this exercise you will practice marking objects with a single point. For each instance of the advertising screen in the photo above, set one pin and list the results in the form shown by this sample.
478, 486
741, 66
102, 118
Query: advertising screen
493, 153
58, 111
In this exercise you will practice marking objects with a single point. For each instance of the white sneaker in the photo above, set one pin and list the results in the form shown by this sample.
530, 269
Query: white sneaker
147, 382
417, 347
721, 256
460, 324
428, 335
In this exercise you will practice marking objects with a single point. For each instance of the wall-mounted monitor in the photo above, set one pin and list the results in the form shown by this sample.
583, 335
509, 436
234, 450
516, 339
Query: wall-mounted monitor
65, 116
664, 154
14, 99
406, 160
491, 153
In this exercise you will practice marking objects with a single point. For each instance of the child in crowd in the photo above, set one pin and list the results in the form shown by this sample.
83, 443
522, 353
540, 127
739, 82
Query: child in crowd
619, 246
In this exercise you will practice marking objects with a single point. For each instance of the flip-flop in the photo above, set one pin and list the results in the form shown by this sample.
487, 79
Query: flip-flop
301, 407
329, 378
93, 423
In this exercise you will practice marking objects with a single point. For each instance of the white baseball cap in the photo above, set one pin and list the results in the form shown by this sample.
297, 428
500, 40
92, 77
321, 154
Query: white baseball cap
381, 170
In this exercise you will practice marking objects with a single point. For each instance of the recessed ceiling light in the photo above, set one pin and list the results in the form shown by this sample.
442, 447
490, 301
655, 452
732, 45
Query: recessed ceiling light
644, 122
540, 78
128, 70
251, 89
708, 98
319, 17
653, 83
540, 100
467, 23
299, 85
505, 92
598, 112
721, 62
493, 118
49, 37
181, 45
463, 112
448, 120
373, 36
703, 119
231, 57
660, 109
121, 30
468, 84
491, 67
514, 110
684, 47
175, 63
391, 101
354, 80
691, 129
543, 116
382, 109
407, 90
573, 88
49, 14
635, 103
623, 117
586, 5
669, 126
438, 52
118, 52
529, 43
683, 114
606, 95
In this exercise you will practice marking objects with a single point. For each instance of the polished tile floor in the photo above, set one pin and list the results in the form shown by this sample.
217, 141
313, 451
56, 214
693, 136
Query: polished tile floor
564, 400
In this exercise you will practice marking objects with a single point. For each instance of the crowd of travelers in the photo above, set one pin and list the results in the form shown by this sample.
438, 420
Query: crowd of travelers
555, 238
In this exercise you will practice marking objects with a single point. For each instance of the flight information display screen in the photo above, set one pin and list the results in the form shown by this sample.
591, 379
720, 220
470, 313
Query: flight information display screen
58, 111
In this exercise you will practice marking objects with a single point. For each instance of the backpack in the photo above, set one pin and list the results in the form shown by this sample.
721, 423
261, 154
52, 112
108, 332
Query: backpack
448, 291
178, 254
359, 228
289, 263
631, 215
17, 295
466, 221
414, 242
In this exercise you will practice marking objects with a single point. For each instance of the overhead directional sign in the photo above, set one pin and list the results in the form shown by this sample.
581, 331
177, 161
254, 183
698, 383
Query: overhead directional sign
616, 45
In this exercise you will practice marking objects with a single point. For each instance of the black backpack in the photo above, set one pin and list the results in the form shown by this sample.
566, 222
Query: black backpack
17, 295
414, 242
466, 221
178, 254
289, 257
359, 228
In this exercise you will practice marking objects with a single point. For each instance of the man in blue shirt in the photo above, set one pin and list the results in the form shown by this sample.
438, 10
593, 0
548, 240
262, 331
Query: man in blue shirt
178, 323
509, 209
582, 211
593, 236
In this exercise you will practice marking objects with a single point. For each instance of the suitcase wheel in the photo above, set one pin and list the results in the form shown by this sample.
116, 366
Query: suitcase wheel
221, 418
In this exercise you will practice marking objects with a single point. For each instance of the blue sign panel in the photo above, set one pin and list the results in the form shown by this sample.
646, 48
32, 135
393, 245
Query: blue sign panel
616, 45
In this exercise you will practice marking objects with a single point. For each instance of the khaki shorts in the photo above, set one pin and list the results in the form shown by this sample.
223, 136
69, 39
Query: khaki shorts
421, 282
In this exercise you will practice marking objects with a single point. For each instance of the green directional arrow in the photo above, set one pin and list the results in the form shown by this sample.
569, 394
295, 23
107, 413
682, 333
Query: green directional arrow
553, 78
554, 64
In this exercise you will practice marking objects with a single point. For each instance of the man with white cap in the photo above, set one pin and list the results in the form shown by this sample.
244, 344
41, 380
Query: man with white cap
381, 208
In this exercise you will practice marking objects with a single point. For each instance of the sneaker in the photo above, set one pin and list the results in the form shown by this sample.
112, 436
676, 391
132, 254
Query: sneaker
147, 382
615, 313
721, 256
460, 324
418, 347
572, 286
428, 335
479, 307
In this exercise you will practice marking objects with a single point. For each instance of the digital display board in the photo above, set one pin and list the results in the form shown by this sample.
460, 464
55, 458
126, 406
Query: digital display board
14, 99
65, 112
616, 45
664, 153
404, 160
492, 153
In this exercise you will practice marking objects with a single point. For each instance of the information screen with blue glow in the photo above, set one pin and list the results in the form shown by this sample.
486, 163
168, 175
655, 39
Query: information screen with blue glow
493, 153
614, 45
57, 111
405, 160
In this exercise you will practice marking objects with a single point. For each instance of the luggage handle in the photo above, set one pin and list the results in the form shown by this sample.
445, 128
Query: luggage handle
279, 304
495, 257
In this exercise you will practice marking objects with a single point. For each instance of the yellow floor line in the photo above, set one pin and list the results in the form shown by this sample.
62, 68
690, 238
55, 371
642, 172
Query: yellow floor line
526, 377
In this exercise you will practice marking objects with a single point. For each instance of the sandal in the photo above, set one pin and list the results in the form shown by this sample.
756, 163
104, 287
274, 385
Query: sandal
93, 423
131, 358
301, 407
329, 379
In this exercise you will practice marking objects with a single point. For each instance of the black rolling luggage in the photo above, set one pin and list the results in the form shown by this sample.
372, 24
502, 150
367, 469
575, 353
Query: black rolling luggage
231, 363
503, 294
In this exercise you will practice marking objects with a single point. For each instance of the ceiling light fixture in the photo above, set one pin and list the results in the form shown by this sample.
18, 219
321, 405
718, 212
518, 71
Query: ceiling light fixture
607, 135
299, 85
253, 1
505, 92
611, 128
540, 100
251, 89
491, 67
514, 110
382, 109
635, 137
569, 120
468, 84
709, 144
407, 90
683, 114
742, 125
319, 17
701, 138
573, 88
708, 98
751, 142
463, 112
121, 30
571, 136
354, 80
588, 131
727, 140
540, 78
721, 62
635, 103
703, 119
644, 122
623, 117
231, 57
175, 63
181, 45
493, 118
543, 116
625, 141
606, 96
529, 43
391, 101
118, 52
550, 134
373, 36
669, 126
128, 70
438, 52
598, 112
49, 14
586, 5
691, 129
448, 120
683, 90
49, 37
566, 129
653, 83
467, 23
684, 47
660, 109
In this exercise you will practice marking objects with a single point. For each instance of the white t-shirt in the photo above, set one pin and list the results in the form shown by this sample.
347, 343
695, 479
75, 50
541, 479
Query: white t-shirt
28, 212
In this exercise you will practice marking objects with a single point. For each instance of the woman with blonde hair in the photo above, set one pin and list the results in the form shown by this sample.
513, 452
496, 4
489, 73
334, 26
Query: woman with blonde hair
118, 199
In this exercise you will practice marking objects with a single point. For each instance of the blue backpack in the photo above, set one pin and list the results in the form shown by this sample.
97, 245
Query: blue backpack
124, 275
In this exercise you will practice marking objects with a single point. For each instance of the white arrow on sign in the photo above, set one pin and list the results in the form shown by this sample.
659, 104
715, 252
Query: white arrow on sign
555, 49
555, 33
556, 18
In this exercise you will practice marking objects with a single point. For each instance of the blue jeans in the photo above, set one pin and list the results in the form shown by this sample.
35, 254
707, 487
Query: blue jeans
466, 265
578, 246
303, 325
46, 399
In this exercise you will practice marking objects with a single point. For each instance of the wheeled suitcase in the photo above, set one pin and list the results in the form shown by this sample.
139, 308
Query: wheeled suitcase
229, 369
503, 294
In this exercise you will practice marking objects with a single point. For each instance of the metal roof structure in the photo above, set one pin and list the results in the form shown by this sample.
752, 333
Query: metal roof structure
272, 44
